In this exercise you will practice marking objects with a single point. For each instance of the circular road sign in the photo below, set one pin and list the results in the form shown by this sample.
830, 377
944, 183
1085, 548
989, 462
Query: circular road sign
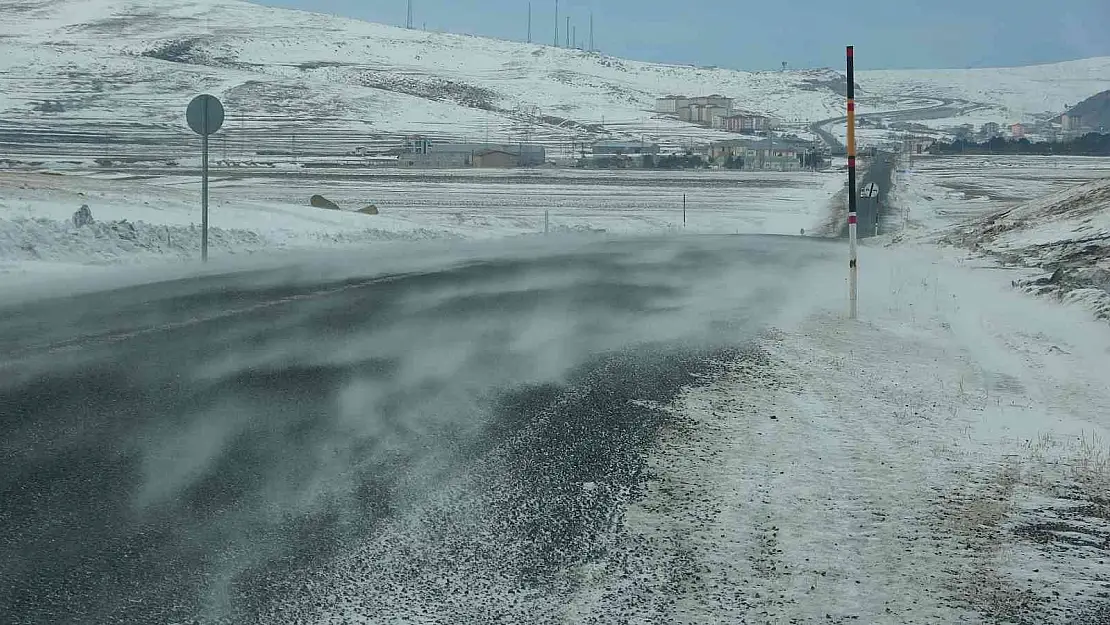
205, 114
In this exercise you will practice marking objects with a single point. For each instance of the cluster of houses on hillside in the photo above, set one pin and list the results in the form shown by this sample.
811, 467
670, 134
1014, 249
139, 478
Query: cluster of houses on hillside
421, 152
713, 111
749, 154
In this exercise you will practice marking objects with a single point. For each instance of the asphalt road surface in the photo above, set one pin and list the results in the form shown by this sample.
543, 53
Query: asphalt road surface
871, 210
434, 437
947, 107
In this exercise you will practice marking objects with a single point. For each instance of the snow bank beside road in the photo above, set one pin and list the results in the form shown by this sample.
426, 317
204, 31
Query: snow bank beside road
1066, 235
1049, 215
134, 222
935, 462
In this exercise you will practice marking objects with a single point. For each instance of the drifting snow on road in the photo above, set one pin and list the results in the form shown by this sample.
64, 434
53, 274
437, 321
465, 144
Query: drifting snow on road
454, 437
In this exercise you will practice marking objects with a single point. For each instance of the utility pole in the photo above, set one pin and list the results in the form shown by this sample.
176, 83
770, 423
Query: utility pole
408, 20
568, 31
556, 44
529, 22
575, 31
591, 31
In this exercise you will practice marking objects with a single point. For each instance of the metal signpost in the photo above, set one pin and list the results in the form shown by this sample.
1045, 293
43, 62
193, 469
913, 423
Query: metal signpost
853, 270
205, 116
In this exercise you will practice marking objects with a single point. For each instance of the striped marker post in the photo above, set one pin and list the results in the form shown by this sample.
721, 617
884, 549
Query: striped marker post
853, 267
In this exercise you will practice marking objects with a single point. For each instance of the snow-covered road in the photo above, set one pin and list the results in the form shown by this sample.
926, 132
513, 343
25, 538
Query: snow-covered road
448, 430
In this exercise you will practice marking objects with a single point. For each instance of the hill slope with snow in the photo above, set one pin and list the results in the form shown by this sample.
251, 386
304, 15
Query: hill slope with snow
93, 73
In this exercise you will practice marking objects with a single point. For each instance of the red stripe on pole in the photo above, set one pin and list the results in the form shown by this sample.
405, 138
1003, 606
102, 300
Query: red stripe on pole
851, 51
851, 105
851, 161
852, 218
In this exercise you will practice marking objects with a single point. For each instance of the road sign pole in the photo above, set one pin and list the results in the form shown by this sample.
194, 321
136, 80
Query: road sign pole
204, 198
205, 115
853, 269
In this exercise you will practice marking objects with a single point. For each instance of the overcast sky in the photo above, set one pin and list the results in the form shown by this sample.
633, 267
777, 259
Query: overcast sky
747, 34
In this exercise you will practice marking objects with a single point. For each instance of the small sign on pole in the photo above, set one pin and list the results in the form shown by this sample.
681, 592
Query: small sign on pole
869, 190
205, 115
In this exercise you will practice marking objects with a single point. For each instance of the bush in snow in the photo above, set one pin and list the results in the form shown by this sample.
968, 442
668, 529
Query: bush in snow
83, 216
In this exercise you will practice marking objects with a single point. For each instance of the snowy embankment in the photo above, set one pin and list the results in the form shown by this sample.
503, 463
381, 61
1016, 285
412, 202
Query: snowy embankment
1067, 235
944, 459
137, 223
1046, 216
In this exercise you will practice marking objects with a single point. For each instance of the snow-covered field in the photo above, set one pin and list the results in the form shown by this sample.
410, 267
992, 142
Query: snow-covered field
943, 191
140, 218
1050, 215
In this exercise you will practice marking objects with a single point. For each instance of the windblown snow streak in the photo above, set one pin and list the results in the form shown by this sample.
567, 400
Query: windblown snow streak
321, 442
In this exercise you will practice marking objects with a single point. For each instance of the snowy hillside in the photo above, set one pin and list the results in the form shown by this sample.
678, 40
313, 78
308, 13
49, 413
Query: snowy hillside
1064, 236
1006, 94
93, 72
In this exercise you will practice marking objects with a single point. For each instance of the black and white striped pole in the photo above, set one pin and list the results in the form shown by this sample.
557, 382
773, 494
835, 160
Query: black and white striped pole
853, 266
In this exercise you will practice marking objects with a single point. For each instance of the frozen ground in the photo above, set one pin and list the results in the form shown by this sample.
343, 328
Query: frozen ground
145, 217
1050, 215
941, 461
943, 191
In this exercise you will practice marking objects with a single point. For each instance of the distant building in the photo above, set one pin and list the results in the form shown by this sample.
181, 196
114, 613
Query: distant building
496, 159
746, 123
769, 157
715, 115
671, 104
721, 150
421, 152
622, 148
990, 130
704, 110
1017, 130
1090, 115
